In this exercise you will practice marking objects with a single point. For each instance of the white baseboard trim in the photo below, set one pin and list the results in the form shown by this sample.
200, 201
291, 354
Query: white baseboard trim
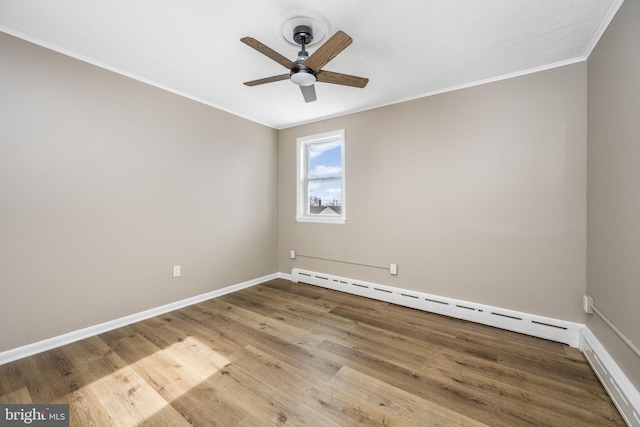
538, 326
622, 392
285, 276
68, 338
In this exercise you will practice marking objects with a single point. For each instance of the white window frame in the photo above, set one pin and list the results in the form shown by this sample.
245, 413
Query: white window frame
302, 210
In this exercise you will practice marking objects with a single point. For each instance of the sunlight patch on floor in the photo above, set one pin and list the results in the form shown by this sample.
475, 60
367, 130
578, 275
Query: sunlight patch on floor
143, 390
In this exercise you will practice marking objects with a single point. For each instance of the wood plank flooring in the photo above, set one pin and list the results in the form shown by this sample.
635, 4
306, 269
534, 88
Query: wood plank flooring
291, 354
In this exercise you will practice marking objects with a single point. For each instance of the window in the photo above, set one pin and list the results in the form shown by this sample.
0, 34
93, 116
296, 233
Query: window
321, 178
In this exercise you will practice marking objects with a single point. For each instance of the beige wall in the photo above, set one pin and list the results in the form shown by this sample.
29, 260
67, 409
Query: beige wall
614, 185
477, 194
106, 183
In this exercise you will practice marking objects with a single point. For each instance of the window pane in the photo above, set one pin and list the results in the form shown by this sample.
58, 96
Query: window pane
325, 198
325, 160
321, 172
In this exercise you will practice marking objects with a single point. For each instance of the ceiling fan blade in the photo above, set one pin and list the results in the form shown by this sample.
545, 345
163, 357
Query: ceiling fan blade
267, 51
267, 80
329, 50
341, 79
309, 93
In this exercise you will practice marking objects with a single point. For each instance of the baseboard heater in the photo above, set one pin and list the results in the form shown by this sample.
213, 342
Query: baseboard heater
623, 393
530, 324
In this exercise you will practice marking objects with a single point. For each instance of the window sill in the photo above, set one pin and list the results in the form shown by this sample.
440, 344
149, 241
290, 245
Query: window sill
321, 220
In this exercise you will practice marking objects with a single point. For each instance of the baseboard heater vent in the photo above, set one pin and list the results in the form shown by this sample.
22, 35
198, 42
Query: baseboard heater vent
511, 317
623, 393
551, 326
530, 324
437, 302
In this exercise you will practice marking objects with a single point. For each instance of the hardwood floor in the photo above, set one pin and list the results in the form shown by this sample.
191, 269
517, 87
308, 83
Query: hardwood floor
285, 353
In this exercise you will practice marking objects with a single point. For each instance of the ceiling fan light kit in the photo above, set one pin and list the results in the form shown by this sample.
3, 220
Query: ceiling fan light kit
306, 70
303, 78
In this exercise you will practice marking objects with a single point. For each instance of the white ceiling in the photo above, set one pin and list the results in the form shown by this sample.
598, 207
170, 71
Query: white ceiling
408, 49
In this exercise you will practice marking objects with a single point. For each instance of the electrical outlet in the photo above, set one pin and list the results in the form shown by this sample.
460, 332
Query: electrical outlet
176, 271
292, 254
587, 303
393, 269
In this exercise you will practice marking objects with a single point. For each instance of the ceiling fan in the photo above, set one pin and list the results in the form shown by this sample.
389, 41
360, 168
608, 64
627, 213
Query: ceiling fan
307, 69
